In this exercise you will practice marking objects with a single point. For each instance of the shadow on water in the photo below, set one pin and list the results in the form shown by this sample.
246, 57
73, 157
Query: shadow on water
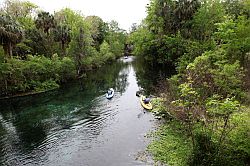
148, 75
76, 123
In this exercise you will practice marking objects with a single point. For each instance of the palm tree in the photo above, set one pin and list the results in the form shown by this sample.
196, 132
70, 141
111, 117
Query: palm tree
62, 35
45, 21
10, 34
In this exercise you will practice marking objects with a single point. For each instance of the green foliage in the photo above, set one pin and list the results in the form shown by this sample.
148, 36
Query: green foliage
22, 50
208, 41
37, 73
204, 22
213, 139
21, 11
10, 33
215, 144
98, 30
159, 109
167, 17
45, 21
170, 48
39, 42
210, 73
45, 86
1, 55
143, 42
206, 104
239, 137
234, 36
116, 38
171, 146
105, 52
229, 78
193, 49
236, 8
83, 43
62, 35
217, 107
76, 23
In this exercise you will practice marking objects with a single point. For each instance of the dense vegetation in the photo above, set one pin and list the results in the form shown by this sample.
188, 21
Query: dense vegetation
205, 104
208, 42
39, 50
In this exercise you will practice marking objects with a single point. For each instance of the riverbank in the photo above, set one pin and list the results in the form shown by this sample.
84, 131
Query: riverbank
173, 145
26, 94
38, 74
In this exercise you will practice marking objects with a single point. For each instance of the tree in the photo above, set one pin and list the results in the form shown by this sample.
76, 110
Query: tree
169, 17
10, 34
81, 53
133, 27
97, 30
75, 21
21, 11
45, 21
210, 13
116, 38
62, 35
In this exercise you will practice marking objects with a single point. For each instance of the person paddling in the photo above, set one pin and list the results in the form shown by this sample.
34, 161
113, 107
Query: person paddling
146, 100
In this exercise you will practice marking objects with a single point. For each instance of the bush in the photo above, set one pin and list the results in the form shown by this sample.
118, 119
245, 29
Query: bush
45, 86
211, 73
37, 73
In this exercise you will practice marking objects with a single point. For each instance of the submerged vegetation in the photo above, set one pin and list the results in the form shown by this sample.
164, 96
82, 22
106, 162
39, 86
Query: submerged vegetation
39, 50
205, 103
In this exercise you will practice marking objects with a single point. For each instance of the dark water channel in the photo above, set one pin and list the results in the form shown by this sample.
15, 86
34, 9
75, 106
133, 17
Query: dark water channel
77, 125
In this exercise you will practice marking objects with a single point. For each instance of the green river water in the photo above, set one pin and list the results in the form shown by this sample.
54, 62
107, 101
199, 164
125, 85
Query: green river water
77, 125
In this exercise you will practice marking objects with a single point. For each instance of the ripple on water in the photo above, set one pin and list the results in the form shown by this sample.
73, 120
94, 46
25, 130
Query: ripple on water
77, 127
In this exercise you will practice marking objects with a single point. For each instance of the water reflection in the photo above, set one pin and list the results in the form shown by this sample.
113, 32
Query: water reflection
108, 76
148, 75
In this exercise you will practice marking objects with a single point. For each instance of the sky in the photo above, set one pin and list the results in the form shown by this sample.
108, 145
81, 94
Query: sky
125, 12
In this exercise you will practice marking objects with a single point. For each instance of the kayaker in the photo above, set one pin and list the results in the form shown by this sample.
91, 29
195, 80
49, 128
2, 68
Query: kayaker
109, 92
146, 100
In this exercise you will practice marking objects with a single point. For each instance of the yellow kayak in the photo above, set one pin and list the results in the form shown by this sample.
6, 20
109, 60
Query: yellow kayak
146, 106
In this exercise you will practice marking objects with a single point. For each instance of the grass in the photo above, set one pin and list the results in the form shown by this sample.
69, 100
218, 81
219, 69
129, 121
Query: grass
173, 147
170, 145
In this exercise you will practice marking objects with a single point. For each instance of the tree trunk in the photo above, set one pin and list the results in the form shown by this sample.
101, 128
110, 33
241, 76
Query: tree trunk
80, 54
5, 48
63, 49
224, 130
10, 49
6, 86
190, 128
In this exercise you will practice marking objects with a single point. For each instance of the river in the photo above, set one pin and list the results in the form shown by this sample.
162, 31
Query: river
76, 124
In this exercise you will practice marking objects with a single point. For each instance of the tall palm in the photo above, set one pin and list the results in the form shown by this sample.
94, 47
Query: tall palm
62, 35
45, 21
10, 34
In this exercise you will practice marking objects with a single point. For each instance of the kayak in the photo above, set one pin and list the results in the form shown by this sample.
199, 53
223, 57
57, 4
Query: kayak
146, 106
109, 96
